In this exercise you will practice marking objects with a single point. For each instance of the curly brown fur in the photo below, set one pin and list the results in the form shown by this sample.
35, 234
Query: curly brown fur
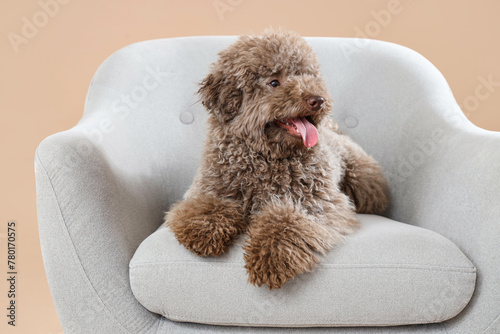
294, 191
363, 181
284, 240
206, 225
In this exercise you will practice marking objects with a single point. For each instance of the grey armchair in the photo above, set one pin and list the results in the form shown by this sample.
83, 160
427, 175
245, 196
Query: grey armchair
102, 186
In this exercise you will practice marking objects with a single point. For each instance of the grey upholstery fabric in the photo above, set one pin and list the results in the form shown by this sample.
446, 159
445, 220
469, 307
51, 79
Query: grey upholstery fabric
388, 273
102, 185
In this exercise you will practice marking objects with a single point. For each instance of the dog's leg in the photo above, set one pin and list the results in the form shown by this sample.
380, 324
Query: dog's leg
363, 180
206, 225
284, 240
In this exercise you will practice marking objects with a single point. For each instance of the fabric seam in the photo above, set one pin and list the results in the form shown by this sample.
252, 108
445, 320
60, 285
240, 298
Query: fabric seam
321, 267
491, 325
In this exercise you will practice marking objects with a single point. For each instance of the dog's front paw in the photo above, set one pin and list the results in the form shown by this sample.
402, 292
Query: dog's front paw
206, 236
274, 262
282, 243
205, 226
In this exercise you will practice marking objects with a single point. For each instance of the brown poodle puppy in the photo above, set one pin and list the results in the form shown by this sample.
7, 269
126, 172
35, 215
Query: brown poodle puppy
273, 164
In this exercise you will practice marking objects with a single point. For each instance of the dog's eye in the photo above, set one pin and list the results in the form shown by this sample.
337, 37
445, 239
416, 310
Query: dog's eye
274, 83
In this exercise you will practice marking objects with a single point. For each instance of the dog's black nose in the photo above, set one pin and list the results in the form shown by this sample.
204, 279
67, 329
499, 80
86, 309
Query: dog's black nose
315, 102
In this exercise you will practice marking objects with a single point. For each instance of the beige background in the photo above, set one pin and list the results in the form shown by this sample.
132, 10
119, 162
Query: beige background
43, 85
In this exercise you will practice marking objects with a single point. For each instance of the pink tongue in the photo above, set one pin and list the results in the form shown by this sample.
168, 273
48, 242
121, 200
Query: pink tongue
308, 131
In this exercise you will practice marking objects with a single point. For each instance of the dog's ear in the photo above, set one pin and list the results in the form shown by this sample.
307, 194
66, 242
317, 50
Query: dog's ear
220, 95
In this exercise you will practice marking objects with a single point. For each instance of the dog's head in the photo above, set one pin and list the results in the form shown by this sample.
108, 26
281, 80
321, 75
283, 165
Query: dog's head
267, 91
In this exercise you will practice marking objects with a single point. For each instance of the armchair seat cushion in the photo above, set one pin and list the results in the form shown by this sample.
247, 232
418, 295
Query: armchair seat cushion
388, 273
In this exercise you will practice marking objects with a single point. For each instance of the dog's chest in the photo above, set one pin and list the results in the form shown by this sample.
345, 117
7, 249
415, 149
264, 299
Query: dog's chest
256, 179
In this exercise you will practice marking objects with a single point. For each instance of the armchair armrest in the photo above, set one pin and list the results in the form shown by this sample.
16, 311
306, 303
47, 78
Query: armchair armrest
448, 180
91, 220
443, 172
